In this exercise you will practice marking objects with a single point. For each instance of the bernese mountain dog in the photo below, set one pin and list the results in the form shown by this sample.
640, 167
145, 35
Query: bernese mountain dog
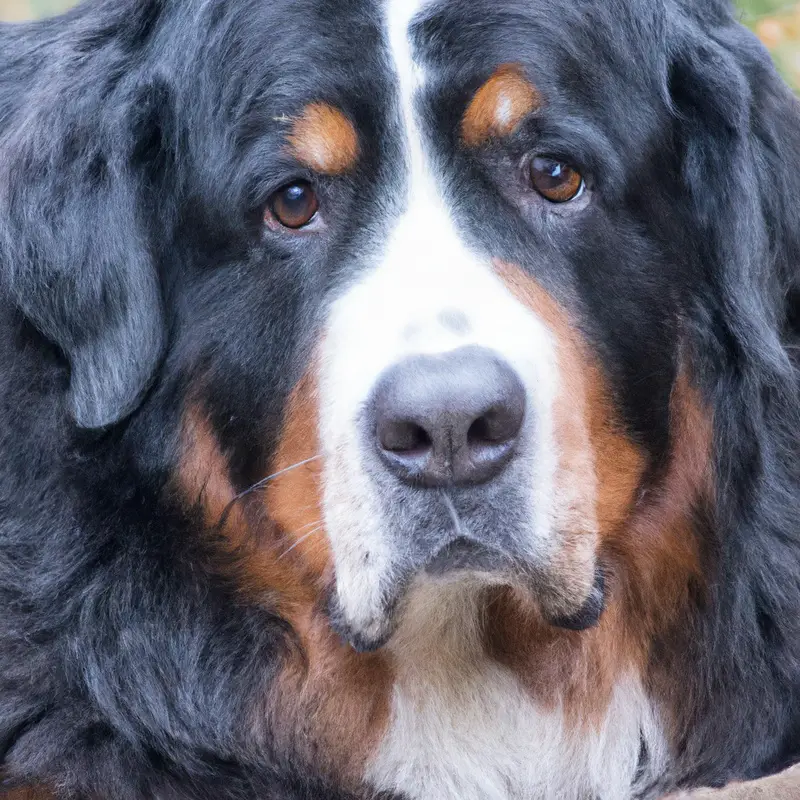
398, 399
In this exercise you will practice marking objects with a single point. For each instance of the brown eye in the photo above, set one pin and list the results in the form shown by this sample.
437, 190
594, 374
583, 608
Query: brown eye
555, 180
294, 206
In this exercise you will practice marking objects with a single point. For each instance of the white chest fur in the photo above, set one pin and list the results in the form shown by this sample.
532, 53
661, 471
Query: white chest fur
462, 727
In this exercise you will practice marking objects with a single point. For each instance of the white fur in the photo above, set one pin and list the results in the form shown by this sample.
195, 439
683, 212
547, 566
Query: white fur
462, 727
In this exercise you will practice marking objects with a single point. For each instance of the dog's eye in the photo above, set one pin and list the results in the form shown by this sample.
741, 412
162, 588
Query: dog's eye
555, 180
294, 206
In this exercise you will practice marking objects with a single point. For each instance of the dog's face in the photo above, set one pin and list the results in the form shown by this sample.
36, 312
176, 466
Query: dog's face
496, 316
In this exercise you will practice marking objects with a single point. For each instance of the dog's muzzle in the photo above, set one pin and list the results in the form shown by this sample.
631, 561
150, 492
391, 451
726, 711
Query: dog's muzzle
447, 438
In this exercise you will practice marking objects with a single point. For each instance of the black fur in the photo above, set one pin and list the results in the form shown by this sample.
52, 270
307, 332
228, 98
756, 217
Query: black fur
139, 141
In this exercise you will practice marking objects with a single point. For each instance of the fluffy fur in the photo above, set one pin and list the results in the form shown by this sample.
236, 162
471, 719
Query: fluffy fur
144, 656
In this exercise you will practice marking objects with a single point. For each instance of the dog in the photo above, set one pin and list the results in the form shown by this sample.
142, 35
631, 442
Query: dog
399, 400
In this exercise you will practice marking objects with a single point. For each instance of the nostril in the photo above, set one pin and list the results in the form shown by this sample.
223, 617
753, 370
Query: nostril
478, 432
496, 426
490, 444
404, 437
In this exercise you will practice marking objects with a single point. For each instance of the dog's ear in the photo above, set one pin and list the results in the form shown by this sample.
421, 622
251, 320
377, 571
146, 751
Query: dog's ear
737, 133
739, 139
76, 250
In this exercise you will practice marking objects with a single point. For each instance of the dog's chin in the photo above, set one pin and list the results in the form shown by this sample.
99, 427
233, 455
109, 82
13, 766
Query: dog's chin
475, 566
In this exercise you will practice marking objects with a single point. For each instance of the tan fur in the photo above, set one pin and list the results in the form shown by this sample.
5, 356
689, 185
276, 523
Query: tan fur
499, 106
331, 702
328, 701
323, 139
645, 542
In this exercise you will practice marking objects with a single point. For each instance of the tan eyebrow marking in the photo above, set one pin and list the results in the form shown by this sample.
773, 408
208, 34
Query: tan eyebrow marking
323, 139
499, 106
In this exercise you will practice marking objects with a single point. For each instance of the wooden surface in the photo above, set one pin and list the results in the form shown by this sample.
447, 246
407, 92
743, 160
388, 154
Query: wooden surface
785, 786
27, 794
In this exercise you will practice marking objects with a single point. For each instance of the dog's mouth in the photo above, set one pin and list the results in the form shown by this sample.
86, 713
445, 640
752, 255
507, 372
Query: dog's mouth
475, 564
467, 559
466, 555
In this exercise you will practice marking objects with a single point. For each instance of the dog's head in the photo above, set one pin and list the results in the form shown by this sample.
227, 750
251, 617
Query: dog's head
453, 272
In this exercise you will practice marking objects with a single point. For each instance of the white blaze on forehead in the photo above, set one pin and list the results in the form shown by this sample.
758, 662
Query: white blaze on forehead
411, 78
401, 304
425, 230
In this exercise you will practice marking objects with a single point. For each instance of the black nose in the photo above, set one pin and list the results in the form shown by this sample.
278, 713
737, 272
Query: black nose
451, 419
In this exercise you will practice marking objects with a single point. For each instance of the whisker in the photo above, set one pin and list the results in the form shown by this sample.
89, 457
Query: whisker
299, 542
264, 481
260, 485
309, 525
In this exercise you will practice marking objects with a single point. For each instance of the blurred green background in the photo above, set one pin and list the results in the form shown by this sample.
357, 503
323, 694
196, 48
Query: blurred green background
777, 22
